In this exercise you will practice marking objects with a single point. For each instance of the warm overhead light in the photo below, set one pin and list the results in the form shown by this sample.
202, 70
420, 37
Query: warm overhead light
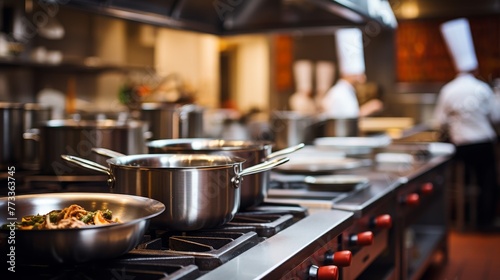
409, 9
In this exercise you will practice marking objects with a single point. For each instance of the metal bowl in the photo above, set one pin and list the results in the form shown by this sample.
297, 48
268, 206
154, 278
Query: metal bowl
81, 244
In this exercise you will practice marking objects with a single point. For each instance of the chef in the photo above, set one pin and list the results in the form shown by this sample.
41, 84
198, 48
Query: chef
341, 100
465, 111
301, 101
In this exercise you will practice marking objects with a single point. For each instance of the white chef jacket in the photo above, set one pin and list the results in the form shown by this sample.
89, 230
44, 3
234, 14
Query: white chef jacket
465, 105
340, 101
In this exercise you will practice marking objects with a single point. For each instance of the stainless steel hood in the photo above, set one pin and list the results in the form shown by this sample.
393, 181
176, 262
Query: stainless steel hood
229, 17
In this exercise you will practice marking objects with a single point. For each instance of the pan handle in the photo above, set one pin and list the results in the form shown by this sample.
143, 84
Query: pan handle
265, 166
87, 164
107, 152
285, 151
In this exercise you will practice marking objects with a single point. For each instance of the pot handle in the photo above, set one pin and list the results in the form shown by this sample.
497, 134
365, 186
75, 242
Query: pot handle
265, 166
107, 152
87, 164
285, 151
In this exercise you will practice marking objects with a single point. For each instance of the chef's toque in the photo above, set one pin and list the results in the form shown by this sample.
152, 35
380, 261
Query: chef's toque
458, 38
302, 70
350, 54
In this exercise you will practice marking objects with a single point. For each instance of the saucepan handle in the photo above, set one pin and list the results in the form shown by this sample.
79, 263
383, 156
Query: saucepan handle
285, 151
107, 152
88, 164
261, 167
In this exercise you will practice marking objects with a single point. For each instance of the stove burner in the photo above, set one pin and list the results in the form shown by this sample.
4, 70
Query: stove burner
117, 269
210, 249
165, 254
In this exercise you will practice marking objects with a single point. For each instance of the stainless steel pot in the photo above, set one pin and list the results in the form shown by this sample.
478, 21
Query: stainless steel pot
34, 114
199, 191
336, 127
254, 187
290, 128
82, 244
11, 138
77, 138
172, 120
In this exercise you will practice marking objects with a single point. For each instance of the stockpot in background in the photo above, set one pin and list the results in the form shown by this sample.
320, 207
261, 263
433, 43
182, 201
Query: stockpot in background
11, 138
77, 138
33, 115
173, 120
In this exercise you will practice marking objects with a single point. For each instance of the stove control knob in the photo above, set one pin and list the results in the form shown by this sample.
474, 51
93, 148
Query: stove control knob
361, 239
382, 221
427, 188
339, 258
323, 272
412, 199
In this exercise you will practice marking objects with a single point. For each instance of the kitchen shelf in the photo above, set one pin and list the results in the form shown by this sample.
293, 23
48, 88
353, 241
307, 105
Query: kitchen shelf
428, 240
71, 66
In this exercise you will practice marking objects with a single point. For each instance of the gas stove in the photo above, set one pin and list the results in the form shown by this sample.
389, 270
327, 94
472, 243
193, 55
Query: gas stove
165, 254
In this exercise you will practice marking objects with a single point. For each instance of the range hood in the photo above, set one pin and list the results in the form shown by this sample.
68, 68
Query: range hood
230, 17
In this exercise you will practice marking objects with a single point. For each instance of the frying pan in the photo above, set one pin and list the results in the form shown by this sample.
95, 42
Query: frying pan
81, 244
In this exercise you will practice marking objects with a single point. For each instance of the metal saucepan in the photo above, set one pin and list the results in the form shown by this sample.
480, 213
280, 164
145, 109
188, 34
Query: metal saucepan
254, 187
199, 191
80, 244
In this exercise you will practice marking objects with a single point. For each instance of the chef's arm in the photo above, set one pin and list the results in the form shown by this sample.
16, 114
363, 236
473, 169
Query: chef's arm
370, 108
495, 108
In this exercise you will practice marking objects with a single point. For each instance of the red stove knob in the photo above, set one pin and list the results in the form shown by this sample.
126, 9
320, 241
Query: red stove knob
361, 239
427, 188
340, 258
327, 272
382, 221
412, 199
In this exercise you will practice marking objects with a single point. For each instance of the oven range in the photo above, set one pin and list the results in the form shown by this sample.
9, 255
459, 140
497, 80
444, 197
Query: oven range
294, 234
268, 241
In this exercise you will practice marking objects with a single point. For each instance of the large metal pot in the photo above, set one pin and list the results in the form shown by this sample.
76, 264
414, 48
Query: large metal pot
254, 187
11, 138
81, 244
34, 114
199, 191
336, 127
77, 138
291, 128
173, 120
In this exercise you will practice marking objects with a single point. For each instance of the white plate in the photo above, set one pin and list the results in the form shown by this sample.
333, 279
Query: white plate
309, 166
335, 183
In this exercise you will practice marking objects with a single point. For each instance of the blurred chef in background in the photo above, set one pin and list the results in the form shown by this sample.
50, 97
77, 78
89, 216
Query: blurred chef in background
302, 101
465, 112
341, 100
325, 75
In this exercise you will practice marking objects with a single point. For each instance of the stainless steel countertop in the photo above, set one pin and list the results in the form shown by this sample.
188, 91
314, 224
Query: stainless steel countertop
273, 257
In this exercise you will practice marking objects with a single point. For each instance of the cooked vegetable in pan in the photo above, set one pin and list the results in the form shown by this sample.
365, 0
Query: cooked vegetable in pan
73, 216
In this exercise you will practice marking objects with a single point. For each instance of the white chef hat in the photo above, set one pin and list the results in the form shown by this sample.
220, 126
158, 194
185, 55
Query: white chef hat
350, 54
302, 70
458, 38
